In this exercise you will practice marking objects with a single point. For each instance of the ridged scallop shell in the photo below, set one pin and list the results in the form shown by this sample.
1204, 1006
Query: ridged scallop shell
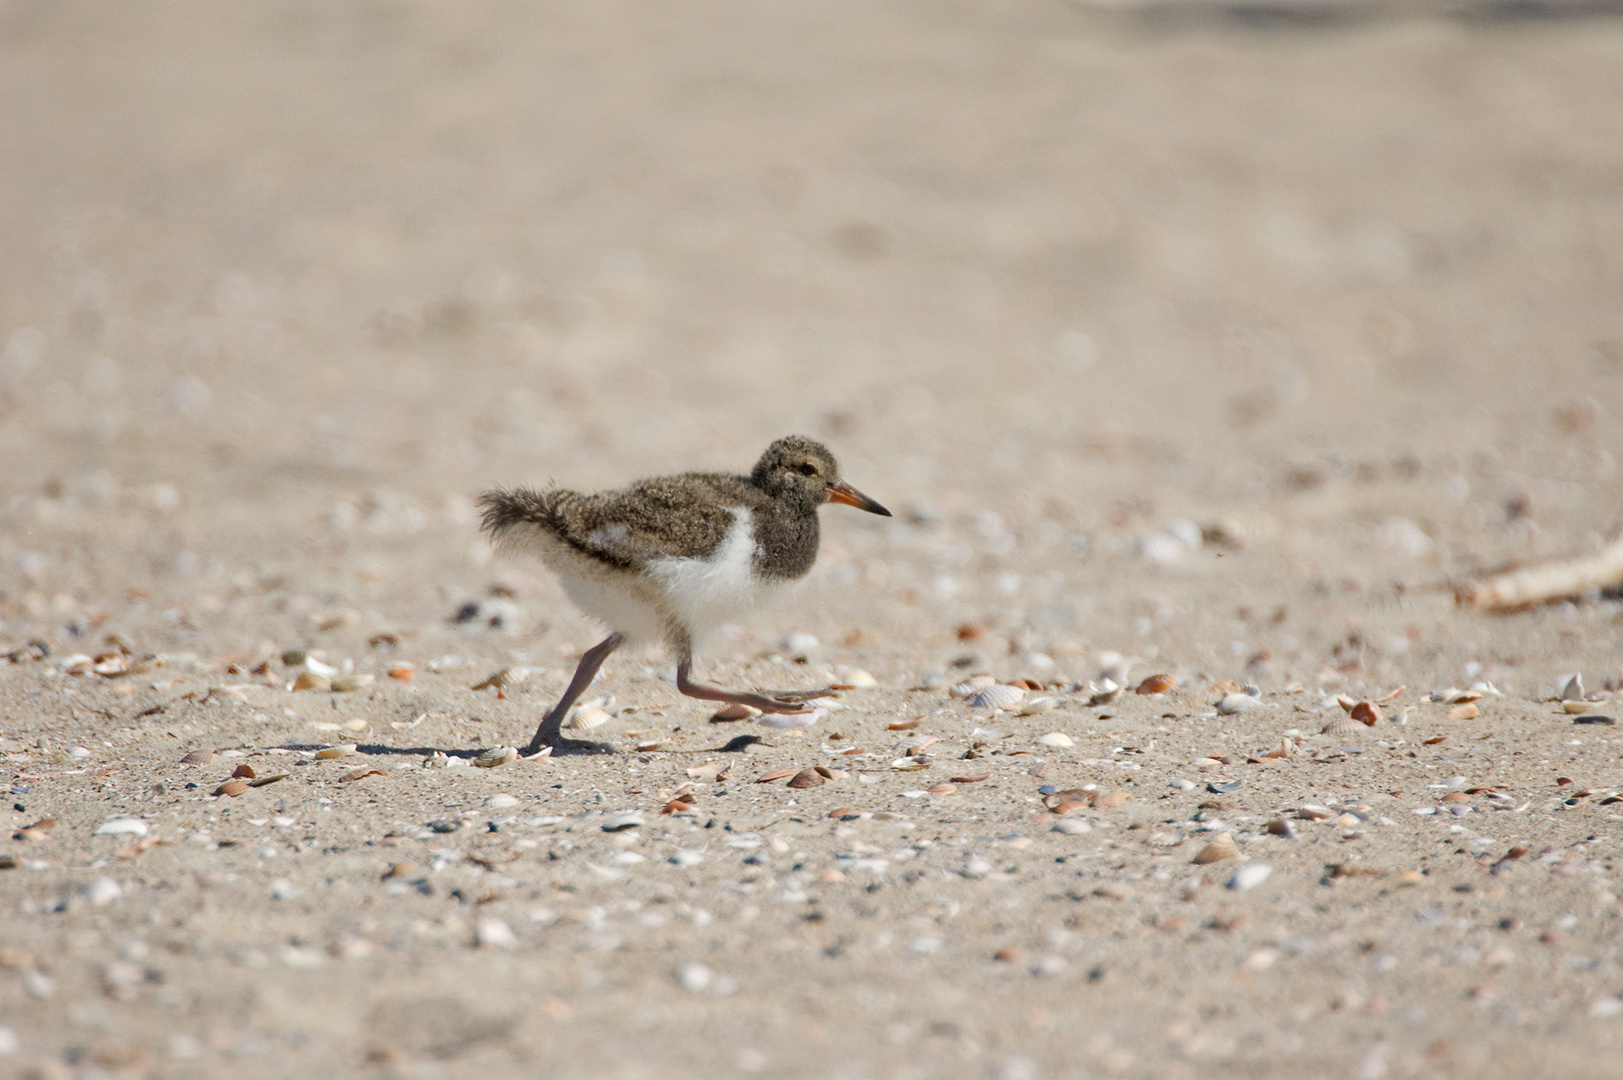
1039, 705
1219, 849
1342, 725
588, 719
972, 685
998, 696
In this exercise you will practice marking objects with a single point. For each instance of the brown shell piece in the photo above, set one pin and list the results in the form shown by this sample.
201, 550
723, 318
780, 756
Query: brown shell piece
1462, 712
974, 778
806, 778
1365, 712
359, 774
904, 725
233, 788
676, 806
942, 789
1065, 806
1218, 850
243, 772
1104, 800
775, 774
1157, 684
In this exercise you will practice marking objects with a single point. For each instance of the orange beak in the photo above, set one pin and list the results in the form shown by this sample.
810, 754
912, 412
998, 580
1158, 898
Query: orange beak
847, 495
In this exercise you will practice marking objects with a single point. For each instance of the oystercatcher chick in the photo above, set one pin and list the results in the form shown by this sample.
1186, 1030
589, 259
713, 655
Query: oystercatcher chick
667, 559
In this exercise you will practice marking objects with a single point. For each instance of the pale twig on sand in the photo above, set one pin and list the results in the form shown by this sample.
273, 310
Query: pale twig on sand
1547, 582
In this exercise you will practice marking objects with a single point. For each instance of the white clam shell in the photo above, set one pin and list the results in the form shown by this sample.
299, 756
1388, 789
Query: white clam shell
588, 719
998, 696
1229, 704
1039, 705
1056, 738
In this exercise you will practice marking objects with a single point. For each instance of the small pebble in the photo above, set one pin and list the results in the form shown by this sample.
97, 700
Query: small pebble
493, 933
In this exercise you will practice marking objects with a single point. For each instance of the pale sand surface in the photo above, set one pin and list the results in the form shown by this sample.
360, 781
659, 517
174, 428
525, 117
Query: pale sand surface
284, 286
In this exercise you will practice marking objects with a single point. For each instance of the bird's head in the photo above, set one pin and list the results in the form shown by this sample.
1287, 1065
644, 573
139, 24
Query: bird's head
802, 471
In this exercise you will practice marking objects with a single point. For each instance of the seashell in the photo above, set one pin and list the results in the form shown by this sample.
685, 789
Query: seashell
1250, 876
1467, 711
1104, 692
359, 774
1313, 812
588, 719
346, 683
1223, 847
1365, 713
1038, 705
1104, 800
1056, 738
648, 746
1571, 707
1346, 703
775, 774
972, 685
1072, 827
501, 755
402, 672
675, 806
1342, 725
1229, 704
972, 779
971, 631
232, 788
493, 933
1451, 696
337, 752
911, 764
1066, 806
1157, 684
1574, 690
1167, 838
243, 772
905, 725
921, 745
999, 696
806, 778
1281, 827
198, 757
729, 713
508, 676
858, 679
124, 827
622, 822
263, 780
942, 789
309, 680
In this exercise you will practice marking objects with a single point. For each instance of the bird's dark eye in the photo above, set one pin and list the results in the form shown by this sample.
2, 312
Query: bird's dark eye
808, 469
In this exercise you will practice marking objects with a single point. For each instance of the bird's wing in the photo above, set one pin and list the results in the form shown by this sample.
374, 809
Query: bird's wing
669, 517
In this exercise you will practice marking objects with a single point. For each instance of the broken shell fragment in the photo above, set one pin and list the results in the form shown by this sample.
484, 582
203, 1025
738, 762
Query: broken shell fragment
1104, 800
1570, 707
1463, 712
807, 778
243, 772
1218, 850
904, 725
232, 788
347, 683
775, 774
402, 672
310, 681
971, 686
1038, 705
508, 676
330, 752
1365, 713
1250, 876
359, 774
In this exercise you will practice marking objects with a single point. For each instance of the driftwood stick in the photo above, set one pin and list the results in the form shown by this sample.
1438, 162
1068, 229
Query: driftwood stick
1547, 582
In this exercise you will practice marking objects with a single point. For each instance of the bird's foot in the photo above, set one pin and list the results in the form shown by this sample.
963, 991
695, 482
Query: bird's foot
559, 746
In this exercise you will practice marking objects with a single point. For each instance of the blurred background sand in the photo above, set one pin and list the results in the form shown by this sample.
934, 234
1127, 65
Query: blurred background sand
1227, 341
